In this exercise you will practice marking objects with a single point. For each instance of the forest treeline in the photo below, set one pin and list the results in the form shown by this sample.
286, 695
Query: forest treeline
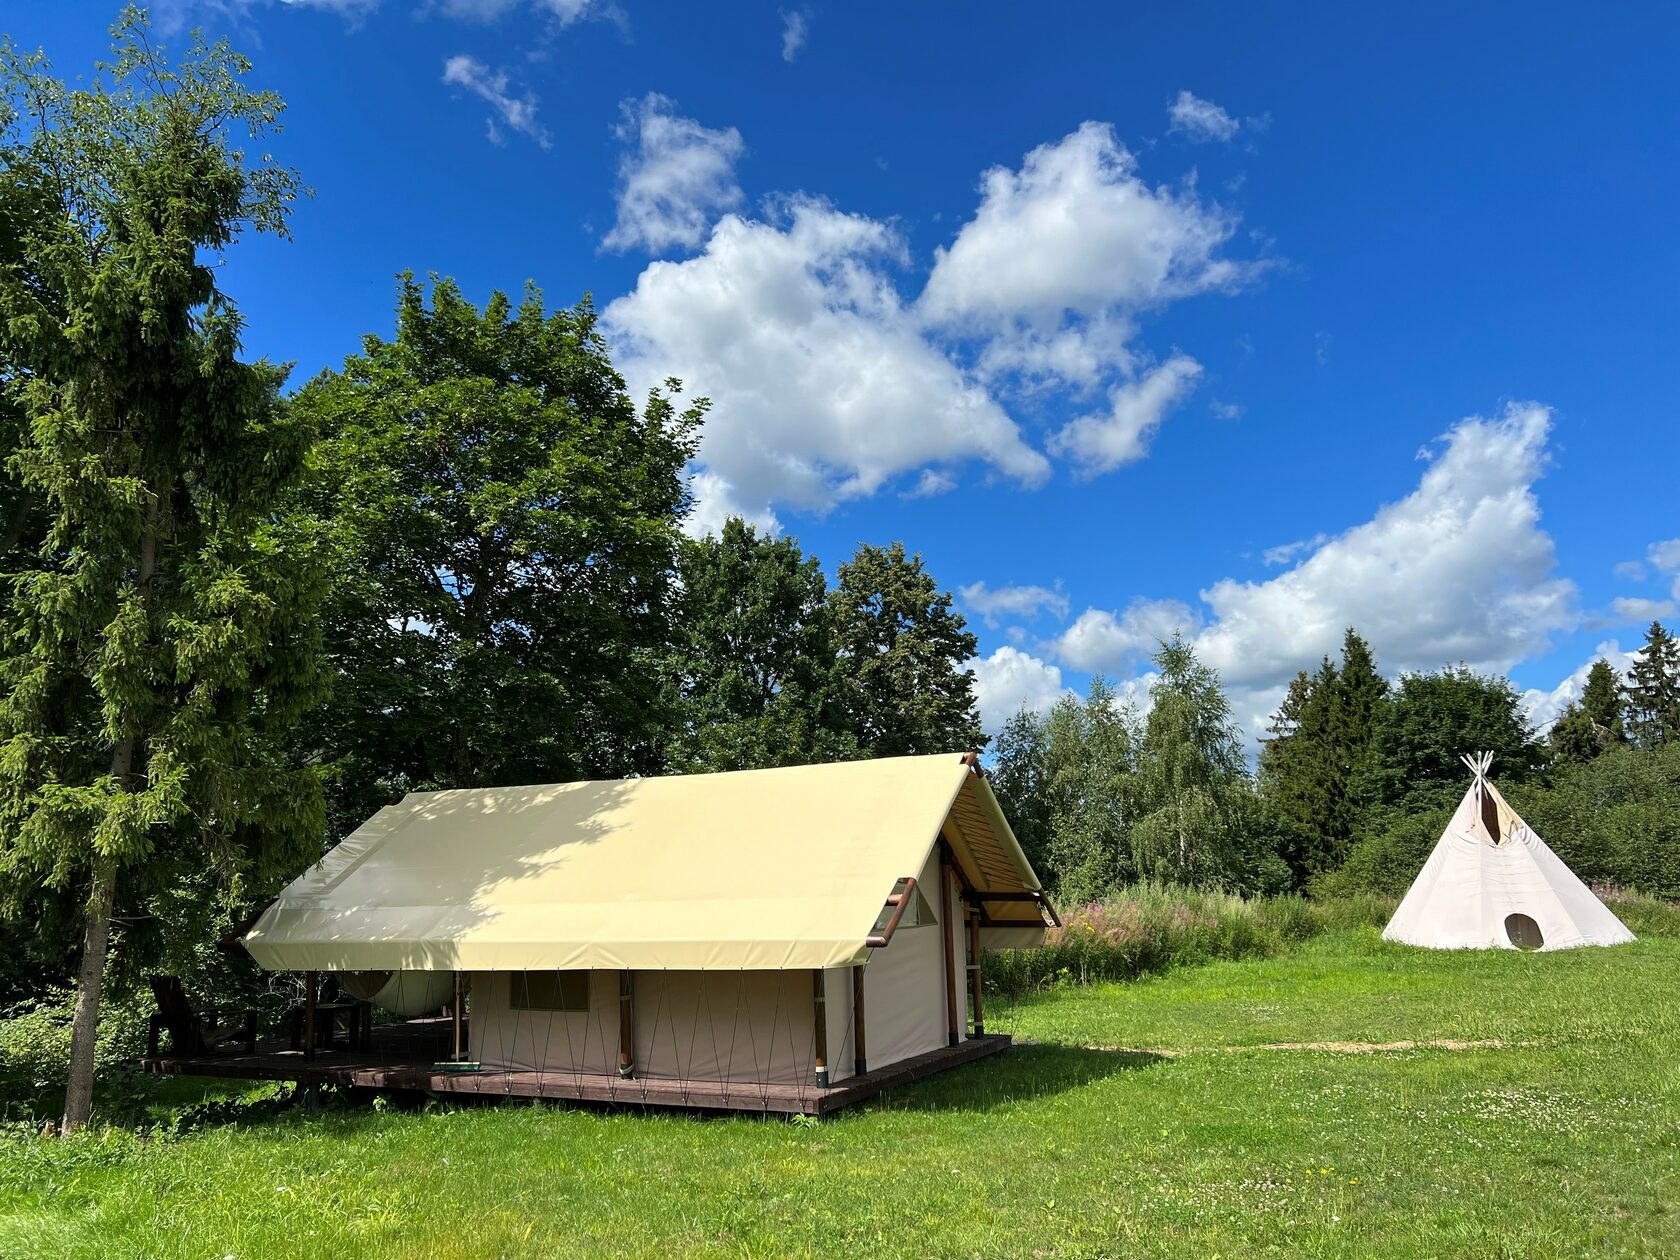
236, 618
1355, 780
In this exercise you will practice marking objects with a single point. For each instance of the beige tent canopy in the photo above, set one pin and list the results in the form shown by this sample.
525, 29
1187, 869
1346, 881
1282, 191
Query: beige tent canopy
709, 928
1493, 883
757, 869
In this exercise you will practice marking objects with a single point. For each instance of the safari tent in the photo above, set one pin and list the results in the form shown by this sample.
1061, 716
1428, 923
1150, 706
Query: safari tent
758, 934
1493, 883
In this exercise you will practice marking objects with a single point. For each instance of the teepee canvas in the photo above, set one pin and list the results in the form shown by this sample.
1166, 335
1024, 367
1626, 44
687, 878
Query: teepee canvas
1491, 883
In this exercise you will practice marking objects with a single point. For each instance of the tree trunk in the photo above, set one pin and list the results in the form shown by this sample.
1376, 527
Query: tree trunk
96, 934
90, 983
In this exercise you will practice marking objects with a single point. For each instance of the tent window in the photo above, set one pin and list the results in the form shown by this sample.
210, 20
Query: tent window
1523, 931
549, 991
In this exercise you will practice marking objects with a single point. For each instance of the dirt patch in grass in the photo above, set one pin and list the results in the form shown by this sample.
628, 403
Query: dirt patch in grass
1334, 1047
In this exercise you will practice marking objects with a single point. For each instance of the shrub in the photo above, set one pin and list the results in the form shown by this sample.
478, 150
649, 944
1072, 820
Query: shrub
1154, 927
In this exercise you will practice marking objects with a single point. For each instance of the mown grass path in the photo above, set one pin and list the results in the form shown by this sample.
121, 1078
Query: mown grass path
1092, 1141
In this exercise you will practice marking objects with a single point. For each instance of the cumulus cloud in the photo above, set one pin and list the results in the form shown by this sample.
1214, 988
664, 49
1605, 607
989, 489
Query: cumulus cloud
1009, 680
795, 25
1075, 232
1103, 442
493, 87
1630, 570
1459, 570
675, 181
1021, 602
1101, 641
564, 12
1201, 120
824, 388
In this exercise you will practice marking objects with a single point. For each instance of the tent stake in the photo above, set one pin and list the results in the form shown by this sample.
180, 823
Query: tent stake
819, 1008
860, 1056
626, 1027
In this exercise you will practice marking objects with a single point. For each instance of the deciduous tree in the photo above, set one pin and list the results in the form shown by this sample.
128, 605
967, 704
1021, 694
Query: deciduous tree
507, 521
903, 654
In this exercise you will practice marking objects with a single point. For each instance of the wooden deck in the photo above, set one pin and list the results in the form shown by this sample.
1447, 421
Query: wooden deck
402, 1057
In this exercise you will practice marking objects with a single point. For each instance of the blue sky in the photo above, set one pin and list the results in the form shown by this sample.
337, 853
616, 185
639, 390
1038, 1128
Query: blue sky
1253, 321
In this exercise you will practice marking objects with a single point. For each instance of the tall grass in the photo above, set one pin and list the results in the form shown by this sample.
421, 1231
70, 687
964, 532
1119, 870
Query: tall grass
1155, 927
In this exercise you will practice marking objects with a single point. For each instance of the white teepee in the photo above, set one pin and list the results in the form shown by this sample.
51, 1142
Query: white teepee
1492, 883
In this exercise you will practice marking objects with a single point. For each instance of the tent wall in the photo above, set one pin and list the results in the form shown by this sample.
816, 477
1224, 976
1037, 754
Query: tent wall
745, 1026
904, 987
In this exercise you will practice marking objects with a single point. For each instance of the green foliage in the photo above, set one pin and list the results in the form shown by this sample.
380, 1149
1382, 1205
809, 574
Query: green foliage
1653, 689
754, 663
1593, 723
159, 638
506, 522
1088, 794
903, 683
1615, 820
1197, 818
1432, 720
1150, 928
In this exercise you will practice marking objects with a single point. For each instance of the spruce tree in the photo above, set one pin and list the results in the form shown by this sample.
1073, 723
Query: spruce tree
1653, 689
161, 634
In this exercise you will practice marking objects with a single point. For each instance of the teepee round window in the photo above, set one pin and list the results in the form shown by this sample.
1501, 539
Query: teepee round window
1523, 931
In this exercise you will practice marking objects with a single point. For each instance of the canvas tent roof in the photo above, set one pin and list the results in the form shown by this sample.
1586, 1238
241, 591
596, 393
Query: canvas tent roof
756, 869
1489, 866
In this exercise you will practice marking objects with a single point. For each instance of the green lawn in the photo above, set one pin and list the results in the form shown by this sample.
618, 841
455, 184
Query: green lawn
1146, 1119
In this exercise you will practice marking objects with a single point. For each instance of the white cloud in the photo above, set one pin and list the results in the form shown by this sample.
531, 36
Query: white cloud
1101, 443
1642, 609
1665, 559
1012, 601
1076, 232
1201, 120
565, 12
823, 387
933, 481
715, 503
1101, 641
1544, 707
1630, 570
1009, 680
1283, 553
795, 24
517, 112
1459, 570
676, 180
1665, 556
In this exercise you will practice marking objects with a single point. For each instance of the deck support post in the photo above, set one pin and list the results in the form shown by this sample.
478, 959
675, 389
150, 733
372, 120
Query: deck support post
860, 1055
310, 981
819, 1009
974, 980
626, 1027
457, 1054
953, 1029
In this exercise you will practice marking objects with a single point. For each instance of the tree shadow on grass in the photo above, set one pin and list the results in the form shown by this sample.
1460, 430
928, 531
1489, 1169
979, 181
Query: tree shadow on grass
1020, 1074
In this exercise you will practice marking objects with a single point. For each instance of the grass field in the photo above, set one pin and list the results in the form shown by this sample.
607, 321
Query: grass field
1227, 1110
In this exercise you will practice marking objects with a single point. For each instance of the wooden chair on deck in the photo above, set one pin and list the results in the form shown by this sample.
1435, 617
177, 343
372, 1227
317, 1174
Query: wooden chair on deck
193, 1033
